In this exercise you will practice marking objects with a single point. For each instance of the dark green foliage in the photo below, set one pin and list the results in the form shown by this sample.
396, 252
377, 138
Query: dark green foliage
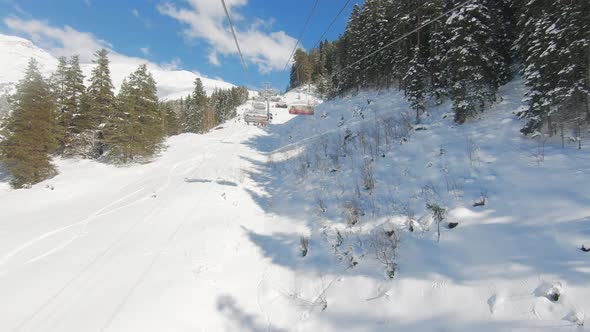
100, 93
30, 133
302, 70
135, 129
170, 120
465, 56
197, 113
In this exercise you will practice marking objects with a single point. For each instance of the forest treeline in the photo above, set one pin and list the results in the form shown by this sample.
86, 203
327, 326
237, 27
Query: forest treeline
60, 116
465, 57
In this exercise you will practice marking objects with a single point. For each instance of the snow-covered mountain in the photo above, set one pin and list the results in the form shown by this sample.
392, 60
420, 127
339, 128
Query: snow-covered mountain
15, 53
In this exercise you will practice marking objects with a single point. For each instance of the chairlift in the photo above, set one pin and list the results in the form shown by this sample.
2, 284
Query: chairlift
301, 109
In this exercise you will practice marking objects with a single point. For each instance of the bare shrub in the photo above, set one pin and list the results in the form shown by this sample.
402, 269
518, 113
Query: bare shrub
304, 245
321, 205
453, 187
368, 175
384, 243
439, 214
472, 149
538, 154
482, 200
429, 192
352, 212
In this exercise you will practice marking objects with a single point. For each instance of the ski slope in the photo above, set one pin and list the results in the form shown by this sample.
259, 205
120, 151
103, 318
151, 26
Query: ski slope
207, 236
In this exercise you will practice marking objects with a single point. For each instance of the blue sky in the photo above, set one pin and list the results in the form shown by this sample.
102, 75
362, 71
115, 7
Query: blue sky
184, 34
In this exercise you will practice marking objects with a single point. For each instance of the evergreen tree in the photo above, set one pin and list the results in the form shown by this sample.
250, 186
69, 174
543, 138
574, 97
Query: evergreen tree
31, 131
136, 128
374, 33
415, 79
302, 70
553, 43
58, 82
100, 92
76, 93
72, 120
200, 103
355, 38
100, 99
473, 64
170, 121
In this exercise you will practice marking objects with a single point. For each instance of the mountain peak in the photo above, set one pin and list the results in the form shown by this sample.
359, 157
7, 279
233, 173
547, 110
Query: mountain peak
15, 53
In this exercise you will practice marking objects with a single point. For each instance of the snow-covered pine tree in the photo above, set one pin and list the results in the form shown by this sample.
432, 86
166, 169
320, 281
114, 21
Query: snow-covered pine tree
573, 84
437, 81
374, 20
473, 63
30, 134
354, 37
537, 47
415, 82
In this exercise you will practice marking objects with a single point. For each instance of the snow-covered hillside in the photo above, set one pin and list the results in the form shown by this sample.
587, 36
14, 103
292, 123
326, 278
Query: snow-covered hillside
357, 176
292, 228
15, 53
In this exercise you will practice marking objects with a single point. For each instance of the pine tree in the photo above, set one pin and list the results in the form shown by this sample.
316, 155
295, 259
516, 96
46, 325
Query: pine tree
374, 30
415, 83
74, 92
355, 39
58, 83
75, 96
473, 63
554, 45
302, 70
199, 105
170, 121
100, 98
136, 128
31, 131
100, 92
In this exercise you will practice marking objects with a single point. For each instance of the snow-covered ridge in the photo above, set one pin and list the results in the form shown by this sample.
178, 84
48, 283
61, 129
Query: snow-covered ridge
15, 53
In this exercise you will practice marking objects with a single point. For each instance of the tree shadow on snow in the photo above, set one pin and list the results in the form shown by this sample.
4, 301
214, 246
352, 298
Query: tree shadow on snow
239, 319
4, 175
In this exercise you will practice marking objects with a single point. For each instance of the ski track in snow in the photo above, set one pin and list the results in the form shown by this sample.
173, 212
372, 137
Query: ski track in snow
44, 236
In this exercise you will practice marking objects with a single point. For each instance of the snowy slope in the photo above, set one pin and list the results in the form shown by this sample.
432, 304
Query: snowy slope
207, 237
15, 53
496, 271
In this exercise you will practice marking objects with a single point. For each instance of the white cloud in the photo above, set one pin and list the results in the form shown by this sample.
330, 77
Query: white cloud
135, 12
213, 59
145, 51
59, 41
206, 20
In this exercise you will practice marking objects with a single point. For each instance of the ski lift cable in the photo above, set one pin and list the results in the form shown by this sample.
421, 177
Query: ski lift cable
420, 27
301, 34
332, 23
329, 27
244, 66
